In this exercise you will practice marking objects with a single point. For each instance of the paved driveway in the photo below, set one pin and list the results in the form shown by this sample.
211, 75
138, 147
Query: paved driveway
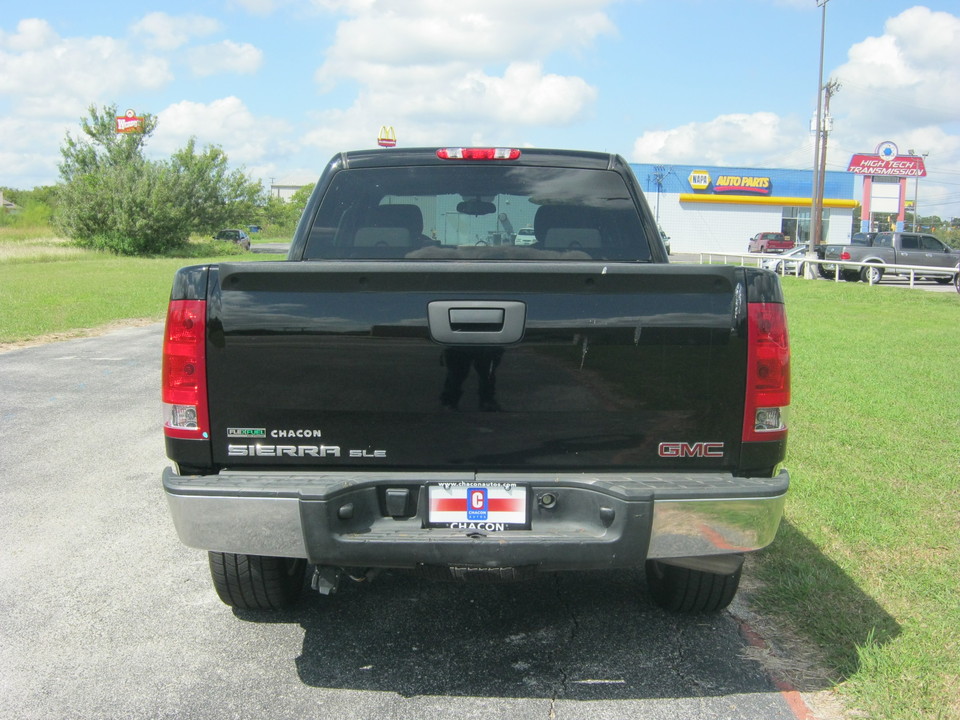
104, 614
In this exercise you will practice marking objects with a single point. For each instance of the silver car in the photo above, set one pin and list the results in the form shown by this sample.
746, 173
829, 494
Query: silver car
788, 263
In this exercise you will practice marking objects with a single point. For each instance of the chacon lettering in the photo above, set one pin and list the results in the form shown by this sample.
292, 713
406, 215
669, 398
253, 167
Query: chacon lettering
485, 526
298, 433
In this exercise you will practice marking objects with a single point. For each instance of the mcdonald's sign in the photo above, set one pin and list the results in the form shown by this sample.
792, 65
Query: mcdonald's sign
387, 137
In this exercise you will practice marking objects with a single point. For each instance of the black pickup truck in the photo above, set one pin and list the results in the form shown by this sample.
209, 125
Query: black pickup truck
402, 393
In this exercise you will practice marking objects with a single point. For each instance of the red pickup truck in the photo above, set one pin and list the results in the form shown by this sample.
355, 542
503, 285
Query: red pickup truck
770, 242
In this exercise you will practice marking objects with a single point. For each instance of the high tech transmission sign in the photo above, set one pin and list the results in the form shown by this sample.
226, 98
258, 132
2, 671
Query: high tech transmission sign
887, 161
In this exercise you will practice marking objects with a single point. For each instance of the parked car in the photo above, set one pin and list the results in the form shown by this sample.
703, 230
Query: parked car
666, 240
787, 262
769, 242
525, 236
235, 236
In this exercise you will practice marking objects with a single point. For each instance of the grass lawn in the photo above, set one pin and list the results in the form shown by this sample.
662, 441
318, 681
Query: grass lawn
866, 563
49, 286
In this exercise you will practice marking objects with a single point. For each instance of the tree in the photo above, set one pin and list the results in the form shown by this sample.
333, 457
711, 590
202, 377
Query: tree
102, 147
281, 216
213, 196
113, 198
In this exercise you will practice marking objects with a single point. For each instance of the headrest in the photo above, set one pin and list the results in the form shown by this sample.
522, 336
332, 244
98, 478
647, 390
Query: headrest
396, 216
562, 216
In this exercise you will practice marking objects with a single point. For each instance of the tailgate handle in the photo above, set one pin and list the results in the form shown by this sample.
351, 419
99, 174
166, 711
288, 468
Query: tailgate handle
476, 322
476, 319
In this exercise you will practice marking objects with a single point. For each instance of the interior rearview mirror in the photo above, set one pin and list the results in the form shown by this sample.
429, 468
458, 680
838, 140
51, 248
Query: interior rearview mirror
476, 207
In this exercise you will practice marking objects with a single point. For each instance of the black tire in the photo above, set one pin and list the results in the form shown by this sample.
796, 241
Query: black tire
868, 270
683, 590
257, 582
956, 282
824, 273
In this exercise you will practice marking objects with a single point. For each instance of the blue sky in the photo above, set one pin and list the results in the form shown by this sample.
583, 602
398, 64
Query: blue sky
283, 84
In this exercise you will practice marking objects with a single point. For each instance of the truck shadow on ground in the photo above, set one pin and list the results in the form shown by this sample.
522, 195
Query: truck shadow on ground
818, 600
576, 636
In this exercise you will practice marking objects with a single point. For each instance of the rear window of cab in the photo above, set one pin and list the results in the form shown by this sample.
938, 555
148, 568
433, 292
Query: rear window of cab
470, 211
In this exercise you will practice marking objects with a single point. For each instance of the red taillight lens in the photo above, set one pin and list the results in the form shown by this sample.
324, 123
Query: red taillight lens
845, 255
768, 373
184, 375
459, 153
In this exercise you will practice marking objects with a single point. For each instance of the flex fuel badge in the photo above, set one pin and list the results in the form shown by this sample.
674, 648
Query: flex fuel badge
247, 432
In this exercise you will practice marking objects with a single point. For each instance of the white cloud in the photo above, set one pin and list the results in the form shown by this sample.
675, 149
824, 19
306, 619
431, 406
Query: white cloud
226, 56
166, 32
226, 122
431, 70
908, 77
26, 151
436, 31
49, 75
904, 86
259, 7
757, 138
32, 34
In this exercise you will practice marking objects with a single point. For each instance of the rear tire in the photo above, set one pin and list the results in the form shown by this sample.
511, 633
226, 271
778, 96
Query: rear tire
871, 274
257, 582
682, 590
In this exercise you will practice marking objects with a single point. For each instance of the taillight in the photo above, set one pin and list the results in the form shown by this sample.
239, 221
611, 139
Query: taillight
184, 372
845, 255
460, 153
768, 373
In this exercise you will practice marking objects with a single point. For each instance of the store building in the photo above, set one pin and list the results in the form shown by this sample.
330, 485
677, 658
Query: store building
704, 208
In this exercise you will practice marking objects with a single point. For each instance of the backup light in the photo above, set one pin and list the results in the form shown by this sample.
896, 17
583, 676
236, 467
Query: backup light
460, 153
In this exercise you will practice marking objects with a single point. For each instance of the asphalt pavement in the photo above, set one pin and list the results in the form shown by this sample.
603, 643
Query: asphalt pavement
104, 614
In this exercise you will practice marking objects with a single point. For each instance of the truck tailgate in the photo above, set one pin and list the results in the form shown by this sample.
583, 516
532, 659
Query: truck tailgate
475, 366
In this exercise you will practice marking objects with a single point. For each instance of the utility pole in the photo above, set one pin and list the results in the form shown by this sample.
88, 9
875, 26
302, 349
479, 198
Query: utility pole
831, 88
816, 204
660, 174
916, 193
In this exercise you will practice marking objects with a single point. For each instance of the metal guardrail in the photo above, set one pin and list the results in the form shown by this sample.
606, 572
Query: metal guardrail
912, 270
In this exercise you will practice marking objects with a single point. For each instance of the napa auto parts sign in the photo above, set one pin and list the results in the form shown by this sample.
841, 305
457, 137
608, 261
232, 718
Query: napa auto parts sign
702, 181
887, 160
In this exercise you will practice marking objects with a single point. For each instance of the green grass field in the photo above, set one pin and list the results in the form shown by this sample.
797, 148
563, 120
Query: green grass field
48, 286
865, 567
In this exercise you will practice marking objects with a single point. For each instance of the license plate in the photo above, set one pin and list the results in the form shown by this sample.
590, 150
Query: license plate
478, 506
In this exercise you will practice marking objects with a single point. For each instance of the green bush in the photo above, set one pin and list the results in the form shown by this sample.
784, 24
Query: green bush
112, 198
131, 209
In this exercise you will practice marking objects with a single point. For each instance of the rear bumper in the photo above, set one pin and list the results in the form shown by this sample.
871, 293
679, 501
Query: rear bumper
597, 521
